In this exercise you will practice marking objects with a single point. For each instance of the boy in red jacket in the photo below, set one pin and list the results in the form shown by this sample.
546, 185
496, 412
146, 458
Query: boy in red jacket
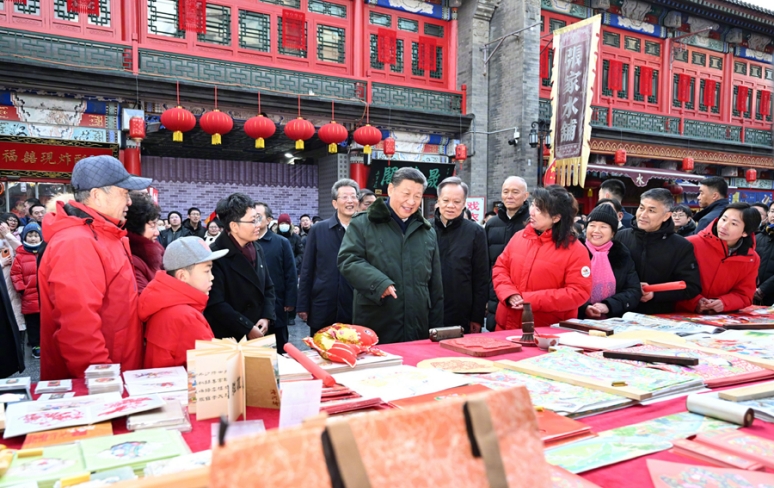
173, 302
24, 275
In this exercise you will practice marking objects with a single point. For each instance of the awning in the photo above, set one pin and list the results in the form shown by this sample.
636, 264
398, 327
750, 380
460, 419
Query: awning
641, 176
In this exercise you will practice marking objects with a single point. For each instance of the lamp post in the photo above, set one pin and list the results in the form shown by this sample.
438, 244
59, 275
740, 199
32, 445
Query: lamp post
539, 135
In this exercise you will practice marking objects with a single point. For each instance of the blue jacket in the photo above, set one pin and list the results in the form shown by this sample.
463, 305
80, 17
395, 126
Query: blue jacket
322, 292
282, 269
626, 221
707, 215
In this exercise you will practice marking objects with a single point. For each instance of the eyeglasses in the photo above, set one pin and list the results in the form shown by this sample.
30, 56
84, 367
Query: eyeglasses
257, 221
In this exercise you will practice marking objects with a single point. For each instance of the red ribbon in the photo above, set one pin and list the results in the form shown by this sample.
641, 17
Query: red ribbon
683, 88
709, 93
646, 81
387, 45
741, 99
765, 108
615, 75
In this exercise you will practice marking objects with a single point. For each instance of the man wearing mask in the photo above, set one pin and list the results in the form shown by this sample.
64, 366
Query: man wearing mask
174, 231
285, 229
324, 296
464, 258
512, 216
390, 257
282, 269
713, 198
194, 223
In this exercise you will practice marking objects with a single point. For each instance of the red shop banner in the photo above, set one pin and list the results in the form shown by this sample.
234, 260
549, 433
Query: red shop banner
21, 156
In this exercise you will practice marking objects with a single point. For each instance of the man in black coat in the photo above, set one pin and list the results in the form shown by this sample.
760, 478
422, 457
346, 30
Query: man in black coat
614, 189
174, 231
511, 217
764, 246
194, 223
660, 255
282, 270
713, 198
241, 301
324, 296
464, 258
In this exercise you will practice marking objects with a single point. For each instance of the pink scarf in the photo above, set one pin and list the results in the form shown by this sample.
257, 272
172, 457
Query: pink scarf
602, 277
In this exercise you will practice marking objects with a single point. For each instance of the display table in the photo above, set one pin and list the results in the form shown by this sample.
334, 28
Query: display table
629, 473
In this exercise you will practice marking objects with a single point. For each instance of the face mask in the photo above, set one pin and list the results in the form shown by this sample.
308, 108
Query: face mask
284, 227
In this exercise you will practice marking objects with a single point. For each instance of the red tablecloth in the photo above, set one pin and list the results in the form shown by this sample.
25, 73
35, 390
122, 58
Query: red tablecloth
629, 473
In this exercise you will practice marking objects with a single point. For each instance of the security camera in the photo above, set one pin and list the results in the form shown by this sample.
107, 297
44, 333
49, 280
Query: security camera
515, 139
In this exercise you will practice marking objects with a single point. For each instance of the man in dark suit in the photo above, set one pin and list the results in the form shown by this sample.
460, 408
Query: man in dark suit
324, 296
241, 301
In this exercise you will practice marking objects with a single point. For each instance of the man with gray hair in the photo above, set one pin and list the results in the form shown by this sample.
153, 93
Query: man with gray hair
324, 296
390, 257
88, 292
464, 258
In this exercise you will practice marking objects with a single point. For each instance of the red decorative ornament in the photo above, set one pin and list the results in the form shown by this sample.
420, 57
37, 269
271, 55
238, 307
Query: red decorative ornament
367, 136
688, 164
683, 88
750, 175
620, 157
259, 127
90, 7
19, 2
137, 129
427, 53
615, 75
646, 81
387, 42
675, 189
216, 123
332, 134
388, 147
178, 120
293, 30
765, 106
192, 15
741, 98
299, 130
461, 152
545, 71
709, 93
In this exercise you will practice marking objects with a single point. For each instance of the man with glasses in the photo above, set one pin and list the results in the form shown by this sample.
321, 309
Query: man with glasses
241, 301
324, 296
194, 223
464, 258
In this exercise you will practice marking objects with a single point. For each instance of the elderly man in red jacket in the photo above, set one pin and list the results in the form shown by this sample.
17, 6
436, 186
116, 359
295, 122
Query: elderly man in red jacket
88, 292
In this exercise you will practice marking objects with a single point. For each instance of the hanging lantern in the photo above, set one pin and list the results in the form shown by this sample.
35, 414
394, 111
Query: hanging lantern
368, 136
461, 152
299, 130
137, 129
178, 120
260, 128
674, 188
389, 147
688, 164
750, 175
216, 123
332, 134
620, 157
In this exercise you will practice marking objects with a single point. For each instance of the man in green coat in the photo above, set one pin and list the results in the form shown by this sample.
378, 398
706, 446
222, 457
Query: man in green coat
390, 257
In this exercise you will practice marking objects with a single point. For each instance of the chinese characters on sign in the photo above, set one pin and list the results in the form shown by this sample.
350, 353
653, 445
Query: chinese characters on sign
477, 207
576, 48
18, 156
381, 174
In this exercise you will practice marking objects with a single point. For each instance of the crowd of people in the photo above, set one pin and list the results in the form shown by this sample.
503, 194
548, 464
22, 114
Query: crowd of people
99, 277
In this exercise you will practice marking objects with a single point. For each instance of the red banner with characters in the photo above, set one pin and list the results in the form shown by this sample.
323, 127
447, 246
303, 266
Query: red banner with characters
21, 156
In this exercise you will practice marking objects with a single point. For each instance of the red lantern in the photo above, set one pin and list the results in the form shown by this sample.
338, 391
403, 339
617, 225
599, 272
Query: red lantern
675, 189
368, 136
389, 147
687, 164
178, 120
260, 128
620, 157
137, 129
750, 175
216, 123
461, 152
299, 130
332, 134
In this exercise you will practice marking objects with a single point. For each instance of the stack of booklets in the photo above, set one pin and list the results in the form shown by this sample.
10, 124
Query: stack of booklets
748, 446
102, 371
396, 382
291, 370
104, 378
172, 415
15, 390
635, 321
171, 384
669, 475
56, 386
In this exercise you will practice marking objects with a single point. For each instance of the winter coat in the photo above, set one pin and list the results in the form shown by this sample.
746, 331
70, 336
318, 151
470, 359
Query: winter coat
282, 270
499, 231
88, 295
167, 236
686, 230
199, 232
465, 270
172, 311
322, 292
147, 257
627, 284
706, 216
764, 247
12, 243
241, 294
24, 274
661, 257
554, 281
627, 220
297, 244
11, 347
375, 254
731, 279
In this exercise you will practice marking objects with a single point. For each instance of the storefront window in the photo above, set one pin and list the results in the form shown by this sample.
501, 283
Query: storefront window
17, 192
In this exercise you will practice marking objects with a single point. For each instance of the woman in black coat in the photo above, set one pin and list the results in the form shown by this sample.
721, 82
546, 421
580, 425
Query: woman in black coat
764, 246
616, 286
11, 346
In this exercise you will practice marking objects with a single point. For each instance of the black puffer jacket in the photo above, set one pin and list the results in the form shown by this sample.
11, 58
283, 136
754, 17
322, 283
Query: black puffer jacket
661, 257
706, 216
764, 246
627, 284
499, 231
465, 270
686, 230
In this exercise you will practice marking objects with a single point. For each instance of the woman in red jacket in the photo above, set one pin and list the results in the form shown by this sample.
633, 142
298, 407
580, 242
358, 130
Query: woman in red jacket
728, 265
544, 265
147, 253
